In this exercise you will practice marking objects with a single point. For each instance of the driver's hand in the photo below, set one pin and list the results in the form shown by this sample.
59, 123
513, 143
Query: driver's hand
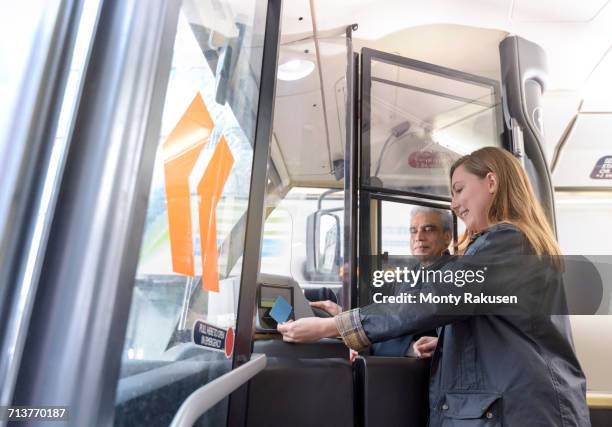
424, 347
328, 306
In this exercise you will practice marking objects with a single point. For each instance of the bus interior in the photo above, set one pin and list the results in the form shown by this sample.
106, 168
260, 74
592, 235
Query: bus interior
175, 166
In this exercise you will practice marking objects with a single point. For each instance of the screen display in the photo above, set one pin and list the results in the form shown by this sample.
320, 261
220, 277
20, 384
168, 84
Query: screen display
268, 295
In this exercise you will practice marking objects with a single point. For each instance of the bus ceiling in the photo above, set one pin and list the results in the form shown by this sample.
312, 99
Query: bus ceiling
309, 121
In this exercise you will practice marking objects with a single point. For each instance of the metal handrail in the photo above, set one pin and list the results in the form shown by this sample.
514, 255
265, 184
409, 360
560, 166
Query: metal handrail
212, 393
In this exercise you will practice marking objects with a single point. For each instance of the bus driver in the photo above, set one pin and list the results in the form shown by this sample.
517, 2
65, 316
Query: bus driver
431, 231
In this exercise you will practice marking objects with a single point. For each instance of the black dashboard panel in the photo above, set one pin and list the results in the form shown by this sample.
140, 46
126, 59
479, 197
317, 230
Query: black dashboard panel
323, 349
302, 392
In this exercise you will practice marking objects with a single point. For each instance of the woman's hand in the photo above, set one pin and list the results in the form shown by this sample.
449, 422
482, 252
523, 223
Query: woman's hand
328, 306
308, 329
425, 346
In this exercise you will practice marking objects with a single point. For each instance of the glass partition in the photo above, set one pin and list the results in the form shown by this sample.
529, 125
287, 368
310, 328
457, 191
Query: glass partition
185, 300
286, 239
419, 118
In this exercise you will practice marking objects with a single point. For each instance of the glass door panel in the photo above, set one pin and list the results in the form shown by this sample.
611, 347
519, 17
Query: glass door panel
185, 300
418, 118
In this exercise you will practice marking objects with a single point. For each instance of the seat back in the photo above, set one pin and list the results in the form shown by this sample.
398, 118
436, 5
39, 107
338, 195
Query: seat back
391, 391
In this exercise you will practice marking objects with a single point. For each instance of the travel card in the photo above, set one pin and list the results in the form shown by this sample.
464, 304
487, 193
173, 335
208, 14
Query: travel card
281, 310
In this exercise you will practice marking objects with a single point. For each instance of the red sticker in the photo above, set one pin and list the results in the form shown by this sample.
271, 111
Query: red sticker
426, 160
229, 343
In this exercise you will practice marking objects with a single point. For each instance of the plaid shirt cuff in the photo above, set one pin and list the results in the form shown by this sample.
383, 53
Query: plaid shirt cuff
351, 330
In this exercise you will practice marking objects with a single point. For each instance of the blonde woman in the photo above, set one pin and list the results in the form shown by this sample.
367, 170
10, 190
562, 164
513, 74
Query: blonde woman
487, 369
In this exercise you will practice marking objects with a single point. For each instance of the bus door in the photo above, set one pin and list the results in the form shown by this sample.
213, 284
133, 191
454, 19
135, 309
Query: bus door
416, 120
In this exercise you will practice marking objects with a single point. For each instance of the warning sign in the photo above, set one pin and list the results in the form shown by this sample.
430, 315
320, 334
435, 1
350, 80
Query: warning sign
603, 168
213, 337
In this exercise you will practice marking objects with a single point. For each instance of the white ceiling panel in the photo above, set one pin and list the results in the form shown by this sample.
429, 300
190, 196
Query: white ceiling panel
589, 142
378, 18
301, 135
296, 18
597, 91
473, 50
333, 56
556, 10
303, 51
559, 108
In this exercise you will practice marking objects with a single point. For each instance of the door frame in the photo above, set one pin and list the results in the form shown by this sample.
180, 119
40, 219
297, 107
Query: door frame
369, 194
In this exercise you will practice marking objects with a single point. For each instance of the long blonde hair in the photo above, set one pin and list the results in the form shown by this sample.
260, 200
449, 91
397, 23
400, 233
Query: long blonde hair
514, 202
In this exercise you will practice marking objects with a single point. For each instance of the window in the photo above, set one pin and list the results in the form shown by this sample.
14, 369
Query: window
397, 228
189, 266
286, 241
422, 118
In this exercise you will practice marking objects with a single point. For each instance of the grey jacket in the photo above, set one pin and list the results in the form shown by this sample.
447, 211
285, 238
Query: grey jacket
490, 369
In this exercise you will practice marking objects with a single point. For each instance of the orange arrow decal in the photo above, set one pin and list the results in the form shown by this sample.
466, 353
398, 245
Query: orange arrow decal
181, 151
210, 189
